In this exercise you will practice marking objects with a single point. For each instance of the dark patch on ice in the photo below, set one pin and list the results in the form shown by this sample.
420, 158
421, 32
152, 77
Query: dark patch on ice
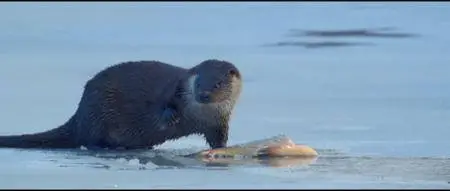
322, 44
384, 32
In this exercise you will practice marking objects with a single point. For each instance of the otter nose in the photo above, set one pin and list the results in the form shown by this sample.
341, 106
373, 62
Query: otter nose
205, 96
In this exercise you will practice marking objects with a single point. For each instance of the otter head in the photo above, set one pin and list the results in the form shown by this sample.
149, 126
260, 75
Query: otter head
215, 83
213, 88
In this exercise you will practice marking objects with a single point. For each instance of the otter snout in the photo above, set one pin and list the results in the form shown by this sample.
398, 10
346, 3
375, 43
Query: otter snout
204, 97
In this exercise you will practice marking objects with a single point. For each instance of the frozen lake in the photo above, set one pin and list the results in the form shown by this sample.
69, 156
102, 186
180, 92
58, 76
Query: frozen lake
366, 84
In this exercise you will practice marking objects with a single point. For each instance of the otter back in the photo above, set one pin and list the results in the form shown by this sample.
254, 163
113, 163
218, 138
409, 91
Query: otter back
118, 108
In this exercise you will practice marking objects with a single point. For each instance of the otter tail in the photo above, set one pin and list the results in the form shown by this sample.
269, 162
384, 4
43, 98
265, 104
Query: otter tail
55, 138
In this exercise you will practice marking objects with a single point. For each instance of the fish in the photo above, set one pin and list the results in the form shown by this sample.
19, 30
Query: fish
278, 146
278, 162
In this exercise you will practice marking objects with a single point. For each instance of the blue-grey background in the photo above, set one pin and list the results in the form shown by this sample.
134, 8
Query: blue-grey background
386, 106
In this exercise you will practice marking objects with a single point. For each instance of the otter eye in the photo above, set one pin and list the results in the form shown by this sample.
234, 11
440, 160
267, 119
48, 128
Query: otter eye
217, 85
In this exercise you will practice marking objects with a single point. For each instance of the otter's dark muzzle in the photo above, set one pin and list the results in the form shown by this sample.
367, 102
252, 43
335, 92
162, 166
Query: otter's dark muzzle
204, 97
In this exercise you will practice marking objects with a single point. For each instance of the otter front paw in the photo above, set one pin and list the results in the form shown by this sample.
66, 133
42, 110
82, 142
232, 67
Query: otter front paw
217, 137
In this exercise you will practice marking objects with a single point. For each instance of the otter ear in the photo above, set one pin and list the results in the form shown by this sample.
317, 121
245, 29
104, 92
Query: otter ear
232, 72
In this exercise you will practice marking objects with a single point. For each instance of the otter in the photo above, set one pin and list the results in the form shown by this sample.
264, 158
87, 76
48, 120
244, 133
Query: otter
142, 104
